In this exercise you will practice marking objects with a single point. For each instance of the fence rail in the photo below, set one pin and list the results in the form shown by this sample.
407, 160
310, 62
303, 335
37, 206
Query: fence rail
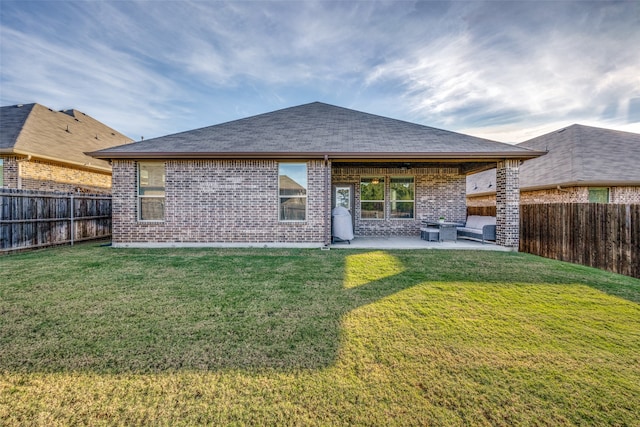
606, 236
33, 219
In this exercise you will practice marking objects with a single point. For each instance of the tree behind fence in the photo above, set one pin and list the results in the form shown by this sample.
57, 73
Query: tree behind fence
606, 236
32, 219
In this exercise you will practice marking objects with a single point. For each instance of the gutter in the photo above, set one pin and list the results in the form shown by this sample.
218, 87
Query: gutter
57, 160
453, 156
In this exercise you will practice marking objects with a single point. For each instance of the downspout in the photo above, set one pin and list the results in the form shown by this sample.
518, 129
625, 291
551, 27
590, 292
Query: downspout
327, 203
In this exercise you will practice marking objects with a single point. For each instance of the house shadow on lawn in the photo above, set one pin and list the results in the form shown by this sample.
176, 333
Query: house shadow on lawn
218, 310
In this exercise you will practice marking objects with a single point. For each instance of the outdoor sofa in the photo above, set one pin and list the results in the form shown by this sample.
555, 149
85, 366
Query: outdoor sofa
479, 227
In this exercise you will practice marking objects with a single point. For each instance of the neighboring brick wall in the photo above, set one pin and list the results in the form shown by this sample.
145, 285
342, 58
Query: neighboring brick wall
481, 201
49, 176
508, 204
10, 171
438, 192
565, 195
553, 195
625, 195
217, 201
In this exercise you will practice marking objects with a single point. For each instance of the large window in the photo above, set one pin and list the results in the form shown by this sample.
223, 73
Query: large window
151, 177
292, 179
372, 198
598, 195
402, 197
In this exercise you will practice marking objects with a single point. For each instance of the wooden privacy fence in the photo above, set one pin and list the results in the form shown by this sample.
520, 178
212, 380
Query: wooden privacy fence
606, 236
481, 210
32, 219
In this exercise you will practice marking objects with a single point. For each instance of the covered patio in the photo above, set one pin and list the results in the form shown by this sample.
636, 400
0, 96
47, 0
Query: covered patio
390, 200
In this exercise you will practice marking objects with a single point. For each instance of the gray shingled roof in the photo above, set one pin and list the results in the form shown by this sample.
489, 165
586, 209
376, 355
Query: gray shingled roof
316, 129
577, 156
62, 136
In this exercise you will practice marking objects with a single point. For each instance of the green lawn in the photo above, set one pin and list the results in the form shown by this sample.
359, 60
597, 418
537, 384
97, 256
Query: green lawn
92, 335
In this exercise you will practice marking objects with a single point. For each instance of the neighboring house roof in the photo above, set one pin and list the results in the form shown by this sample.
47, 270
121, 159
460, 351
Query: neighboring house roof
288, 183
315, 130
61, 136
577, 156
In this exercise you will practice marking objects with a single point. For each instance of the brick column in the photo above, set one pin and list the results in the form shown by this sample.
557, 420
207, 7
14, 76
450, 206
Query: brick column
327, 201
508, 204
10, 172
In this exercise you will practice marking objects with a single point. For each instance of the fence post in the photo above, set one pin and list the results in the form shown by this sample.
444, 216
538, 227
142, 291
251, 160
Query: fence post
72, 231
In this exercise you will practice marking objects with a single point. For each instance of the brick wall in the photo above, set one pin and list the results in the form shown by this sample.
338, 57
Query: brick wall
217, 201
481, 201
565, 195
50, 176
10, 171
625, 195
508, 203
438, 192
553, 195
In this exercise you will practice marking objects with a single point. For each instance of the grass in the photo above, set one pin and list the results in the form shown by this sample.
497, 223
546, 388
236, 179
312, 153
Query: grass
93, 335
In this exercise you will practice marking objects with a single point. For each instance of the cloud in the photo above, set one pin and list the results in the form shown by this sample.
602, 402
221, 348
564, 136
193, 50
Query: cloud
84, 73
151, 68
522, 64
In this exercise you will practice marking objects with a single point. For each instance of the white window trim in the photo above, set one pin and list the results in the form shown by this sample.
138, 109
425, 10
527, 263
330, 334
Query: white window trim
305, 197
140, 196
403, 201
384, 202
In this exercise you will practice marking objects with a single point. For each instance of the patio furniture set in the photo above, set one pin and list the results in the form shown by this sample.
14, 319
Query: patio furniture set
476, 227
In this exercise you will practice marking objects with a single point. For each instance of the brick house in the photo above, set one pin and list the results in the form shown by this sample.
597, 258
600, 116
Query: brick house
43, 149
583, 164
273, 179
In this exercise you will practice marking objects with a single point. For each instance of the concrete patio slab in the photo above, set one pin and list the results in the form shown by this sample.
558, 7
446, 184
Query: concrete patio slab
414, 242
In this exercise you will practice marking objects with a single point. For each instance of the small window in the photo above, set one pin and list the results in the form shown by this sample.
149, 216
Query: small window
402, 196
1, 172
151, 191
372, 198
292, 182
343, 197
598, 195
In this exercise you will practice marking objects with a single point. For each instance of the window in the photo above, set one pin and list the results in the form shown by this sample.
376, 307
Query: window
343, 197
598, 195
372, 198
402, 197
1, 172
292, 182
151, 178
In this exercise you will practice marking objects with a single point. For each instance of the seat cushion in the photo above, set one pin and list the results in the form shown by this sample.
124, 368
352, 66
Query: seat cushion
479, 221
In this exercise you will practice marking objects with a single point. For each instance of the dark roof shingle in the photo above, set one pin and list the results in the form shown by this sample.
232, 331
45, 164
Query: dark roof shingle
577, 155
314, 129
62, 136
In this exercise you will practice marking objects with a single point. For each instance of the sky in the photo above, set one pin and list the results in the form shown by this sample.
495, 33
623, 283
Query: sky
507, 71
